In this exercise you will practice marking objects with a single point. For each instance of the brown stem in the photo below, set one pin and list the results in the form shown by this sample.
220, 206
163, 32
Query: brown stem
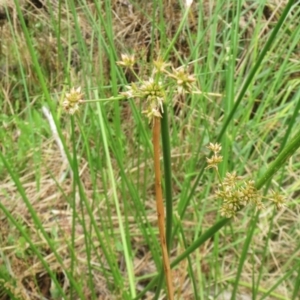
160, 207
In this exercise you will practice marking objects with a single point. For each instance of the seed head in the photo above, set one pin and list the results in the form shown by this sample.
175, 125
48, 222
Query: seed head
184, 80
213, 161
160, 66
278, 199
236, 195
126, 61
72, 100
154, 94
216, 158
132, 91
230, 179
216, 148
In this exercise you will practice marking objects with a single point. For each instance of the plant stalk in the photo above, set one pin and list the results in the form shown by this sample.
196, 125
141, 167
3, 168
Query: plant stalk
160, 208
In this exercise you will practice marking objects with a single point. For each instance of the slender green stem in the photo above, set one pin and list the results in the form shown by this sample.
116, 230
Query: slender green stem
244, 254
73, 200
296, 290
167, 175
172, 43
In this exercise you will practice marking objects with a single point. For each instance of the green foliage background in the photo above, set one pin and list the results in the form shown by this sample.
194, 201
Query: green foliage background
77, 214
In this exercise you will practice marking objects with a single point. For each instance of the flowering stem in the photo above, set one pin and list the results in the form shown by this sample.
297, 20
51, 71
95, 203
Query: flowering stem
160, 207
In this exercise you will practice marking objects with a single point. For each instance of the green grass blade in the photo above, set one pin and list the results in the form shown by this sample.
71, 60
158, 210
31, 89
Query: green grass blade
296, 290
116, 201
37, 222
167, 175
256, 66
244, 253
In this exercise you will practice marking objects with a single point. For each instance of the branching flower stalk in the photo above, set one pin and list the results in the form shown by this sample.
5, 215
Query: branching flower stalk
74, 99
163, 79
153, 91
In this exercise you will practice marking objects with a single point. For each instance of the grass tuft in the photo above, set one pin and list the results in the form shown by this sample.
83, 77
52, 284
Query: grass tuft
78, 213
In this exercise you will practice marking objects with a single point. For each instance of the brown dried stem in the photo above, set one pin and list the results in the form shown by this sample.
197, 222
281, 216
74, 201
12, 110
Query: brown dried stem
160, 207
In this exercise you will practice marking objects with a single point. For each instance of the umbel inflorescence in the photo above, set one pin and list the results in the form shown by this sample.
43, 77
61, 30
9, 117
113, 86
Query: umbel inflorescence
153, 90
235, 192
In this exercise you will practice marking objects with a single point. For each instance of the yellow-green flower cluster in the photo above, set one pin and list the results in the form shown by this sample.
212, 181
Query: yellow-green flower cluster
184, 80
159, 83
213, 161
152, 92
72, 100
126, 61
234, 192
277, 199
236, 195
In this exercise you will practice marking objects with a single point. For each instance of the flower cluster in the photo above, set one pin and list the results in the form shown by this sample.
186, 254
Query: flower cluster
72, 100
236, 195
234, 192
154, 96
126, 61
216, 158
277, 199
155, 88
184, 80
